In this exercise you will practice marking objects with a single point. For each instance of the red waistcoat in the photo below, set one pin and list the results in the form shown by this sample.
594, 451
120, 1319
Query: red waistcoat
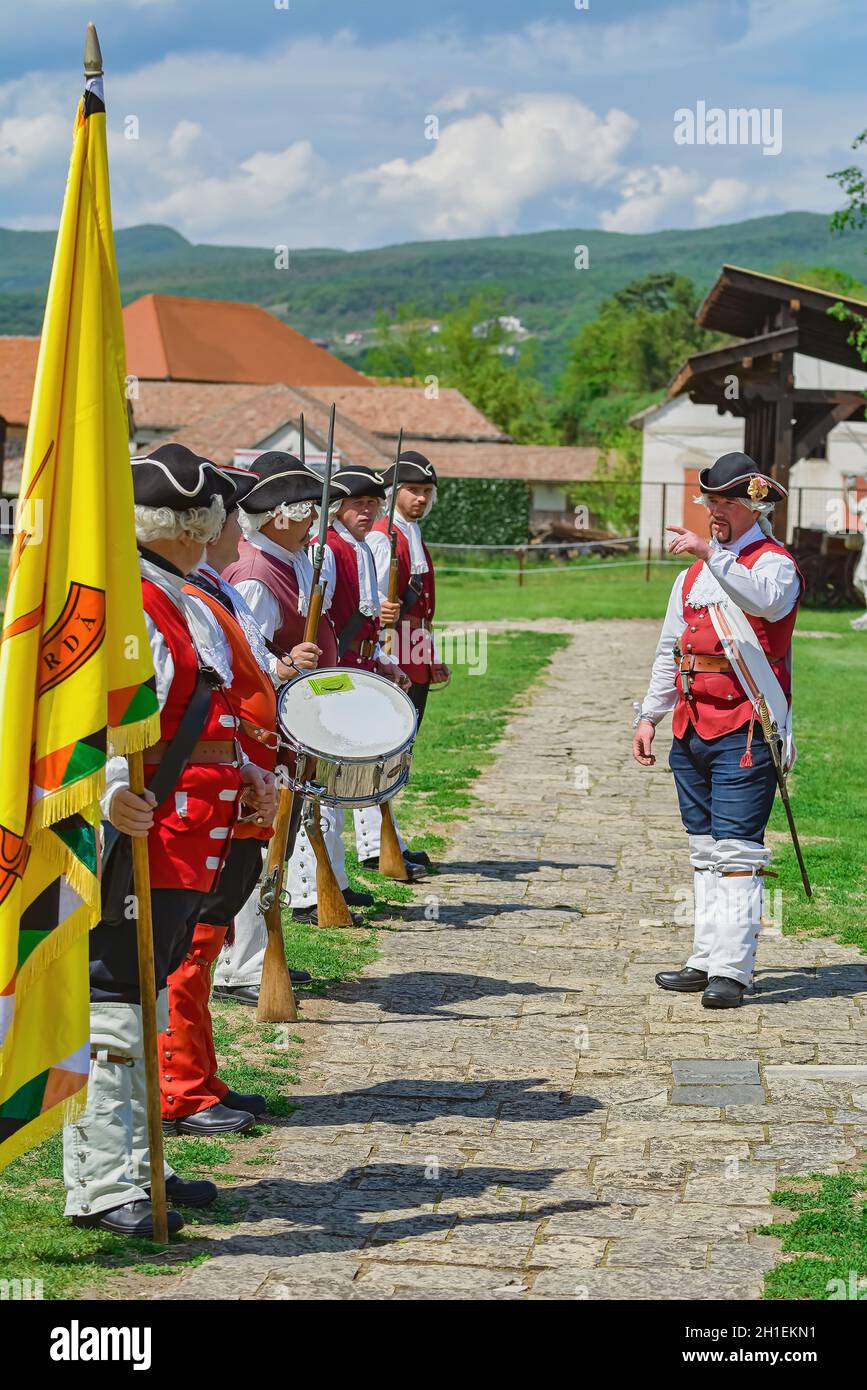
414, 649
279, 577
344, 604
717, 703
192, 829
251, 697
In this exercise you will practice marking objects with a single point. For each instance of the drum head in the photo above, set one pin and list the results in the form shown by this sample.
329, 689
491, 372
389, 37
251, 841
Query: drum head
346, 713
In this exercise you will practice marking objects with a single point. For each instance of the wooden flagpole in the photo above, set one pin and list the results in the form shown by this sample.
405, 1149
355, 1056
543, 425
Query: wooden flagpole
147, 992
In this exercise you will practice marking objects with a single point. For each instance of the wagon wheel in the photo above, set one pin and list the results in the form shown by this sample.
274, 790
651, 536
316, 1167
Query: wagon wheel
823, 582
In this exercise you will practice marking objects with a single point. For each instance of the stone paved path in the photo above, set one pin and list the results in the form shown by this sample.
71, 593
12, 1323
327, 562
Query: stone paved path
488, 1112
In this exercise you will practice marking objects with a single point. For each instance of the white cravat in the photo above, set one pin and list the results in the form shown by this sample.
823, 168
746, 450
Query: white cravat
707, 588
368, 593
411, 529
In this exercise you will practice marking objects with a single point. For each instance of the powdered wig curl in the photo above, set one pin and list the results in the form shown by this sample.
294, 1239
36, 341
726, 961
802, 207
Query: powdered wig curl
165, 524
762, 509
251, 522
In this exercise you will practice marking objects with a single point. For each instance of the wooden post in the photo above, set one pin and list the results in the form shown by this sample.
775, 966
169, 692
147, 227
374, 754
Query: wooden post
147, 992
662, 524
647, 566
519, 551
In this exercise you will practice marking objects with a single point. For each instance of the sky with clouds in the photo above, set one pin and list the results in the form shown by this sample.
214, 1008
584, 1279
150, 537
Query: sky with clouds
307, 122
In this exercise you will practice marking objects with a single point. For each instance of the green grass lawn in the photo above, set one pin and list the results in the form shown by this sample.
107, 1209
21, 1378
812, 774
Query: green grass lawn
38, 1243
828, 1237
591, 588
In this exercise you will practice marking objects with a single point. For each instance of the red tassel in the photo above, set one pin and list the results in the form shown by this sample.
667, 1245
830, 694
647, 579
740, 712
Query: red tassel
747, 758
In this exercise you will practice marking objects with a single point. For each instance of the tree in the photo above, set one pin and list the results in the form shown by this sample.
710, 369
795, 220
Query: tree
471, 351
852, 217
624, 359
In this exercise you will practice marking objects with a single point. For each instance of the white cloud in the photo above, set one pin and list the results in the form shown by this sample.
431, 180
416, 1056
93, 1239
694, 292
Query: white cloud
483, 169
658, 196
26, 141
724, 200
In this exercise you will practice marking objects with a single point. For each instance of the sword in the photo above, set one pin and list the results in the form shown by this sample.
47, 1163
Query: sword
774, 743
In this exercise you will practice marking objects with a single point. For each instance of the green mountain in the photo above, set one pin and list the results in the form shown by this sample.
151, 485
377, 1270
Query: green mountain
327, 293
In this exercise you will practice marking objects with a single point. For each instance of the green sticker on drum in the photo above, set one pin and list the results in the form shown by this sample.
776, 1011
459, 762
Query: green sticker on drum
330, 685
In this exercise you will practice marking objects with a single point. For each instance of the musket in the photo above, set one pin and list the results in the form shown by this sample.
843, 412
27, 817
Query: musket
774, 743
331, 909
391, 861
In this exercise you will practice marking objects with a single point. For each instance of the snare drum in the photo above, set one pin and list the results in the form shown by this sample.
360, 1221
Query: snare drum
354, 729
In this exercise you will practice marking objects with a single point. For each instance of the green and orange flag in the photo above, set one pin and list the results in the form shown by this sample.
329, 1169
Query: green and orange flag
76, 678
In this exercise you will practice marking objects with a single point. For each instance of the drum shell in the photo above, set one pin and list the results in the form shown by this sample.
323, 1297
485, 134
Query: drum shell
343, 780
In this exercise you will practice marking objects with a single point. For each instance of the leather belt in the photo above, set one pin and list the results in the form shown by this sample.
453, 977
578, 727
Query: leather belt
98, 1054
703, 663
207, 750
261, 735
363, 648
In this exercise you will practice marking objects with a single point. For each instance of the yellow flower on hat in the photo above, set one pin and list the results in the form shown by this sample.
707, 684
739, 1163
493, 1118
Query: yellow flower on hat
757, 488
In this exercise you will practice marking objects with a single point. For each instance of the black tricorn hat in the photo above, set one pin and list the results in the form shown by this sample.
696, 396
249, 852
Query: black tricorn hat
412, 467
173, 476
243, 478
283, 478
737, 475
360, 481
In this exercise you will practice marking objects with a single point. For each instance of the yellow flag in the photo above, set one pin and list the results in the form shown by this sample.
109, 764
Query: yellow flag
76, 677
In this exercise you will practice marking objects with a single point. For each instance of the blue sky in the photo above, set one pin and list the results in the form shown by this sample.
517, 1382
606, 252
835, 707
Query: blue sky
308, 124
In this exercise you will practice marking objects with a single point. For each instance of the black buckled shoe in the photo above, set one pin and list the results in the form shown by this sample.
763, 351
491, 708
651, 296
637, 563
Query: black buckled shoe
217, 1119
131, 1219
685, 981
356, 899
723, 993
192, 1192
310, 915
418, 856
237, 994
240, 1100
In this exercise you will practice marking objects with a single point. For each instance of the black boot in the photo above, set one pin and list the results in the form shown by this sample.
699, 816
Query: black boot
418, 856
723, 993
217, 1119
240, 1100
685, 981
237, 994
355, 899
131, 1219
310, 916
192, 1192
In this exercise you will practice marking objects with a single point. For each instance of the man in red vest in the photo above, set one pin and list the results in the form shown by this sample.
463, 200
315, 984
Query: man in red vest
356, 607
194, 1098
273, 573
721, 763
180, 506
415, 479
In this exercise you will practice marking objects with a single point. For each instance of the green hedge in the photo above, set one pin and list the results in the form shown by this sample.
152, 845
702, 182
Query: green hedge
480, 511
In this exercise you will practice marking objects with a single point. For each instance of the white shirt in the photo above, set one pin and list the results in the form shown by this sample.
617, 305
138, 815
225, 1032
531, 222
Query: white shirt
769, 590
329, 576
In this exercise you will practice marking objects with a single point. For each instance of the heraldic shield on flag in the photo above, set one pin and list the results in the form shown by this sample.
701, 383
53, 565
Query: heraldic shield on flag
76, 678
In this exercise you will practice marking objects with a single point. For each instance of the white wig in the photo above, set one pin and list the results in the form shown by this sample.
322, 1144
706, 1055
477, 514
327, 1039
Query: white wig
762, 509
431, 502
165, 524
251, 522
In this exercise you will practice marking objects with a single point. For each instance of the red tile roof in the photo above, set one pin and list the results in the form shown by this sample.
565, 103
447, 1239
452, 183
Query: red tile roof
384, 410
536, 463
17, 371
170, 337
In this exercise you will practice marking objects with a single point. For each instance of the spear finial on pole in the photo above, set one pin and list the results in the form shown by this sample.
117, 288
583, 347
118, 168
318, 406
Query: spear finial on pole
92, 53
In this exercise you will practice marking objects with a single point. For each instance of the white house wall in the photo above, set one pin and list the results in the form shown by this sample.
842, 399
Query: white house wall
681, 435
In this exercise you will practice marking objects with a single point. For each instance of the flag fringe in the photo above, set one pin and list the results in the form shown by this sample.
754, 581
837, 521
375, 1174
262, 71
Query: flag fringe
81, 879
135, 738
66, 801
41, 1127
